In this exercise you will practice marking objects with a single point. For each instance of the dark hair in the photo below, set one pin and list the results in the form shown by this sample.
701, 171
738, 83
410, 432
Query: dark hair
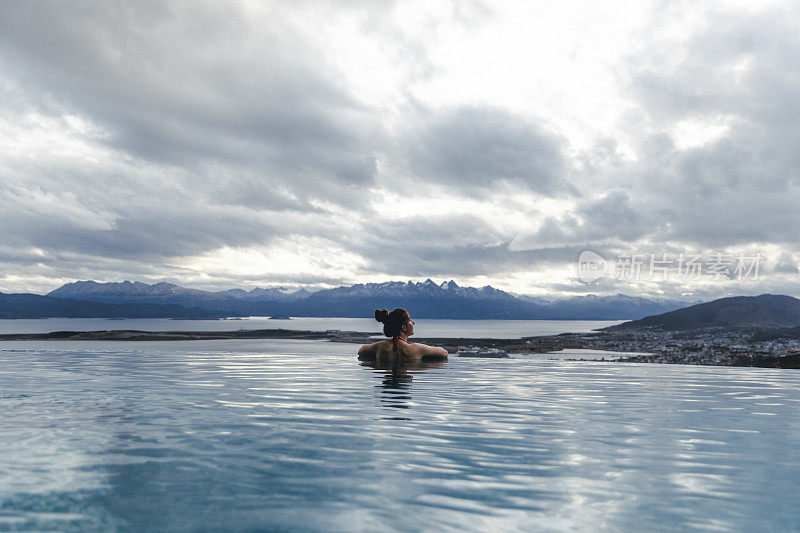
392, 322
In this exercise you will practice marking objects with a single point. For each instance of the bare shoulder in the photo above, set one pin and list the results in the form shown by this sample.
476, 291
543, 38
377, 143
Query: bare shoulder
369, 350
376, 349
423, 350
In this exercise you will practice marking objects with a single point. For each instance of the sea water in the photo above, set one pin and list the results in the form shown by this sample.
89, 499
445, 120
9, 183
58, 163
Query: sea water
429, 327
299, 435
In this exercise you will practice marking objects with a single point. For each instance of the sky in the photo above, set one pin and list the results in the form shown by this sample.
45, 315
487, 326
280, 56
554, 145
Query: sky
316, 144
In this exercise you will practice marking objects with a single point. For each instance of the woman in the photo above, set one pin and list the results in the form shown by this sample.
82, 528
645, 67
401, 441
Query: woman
399, 326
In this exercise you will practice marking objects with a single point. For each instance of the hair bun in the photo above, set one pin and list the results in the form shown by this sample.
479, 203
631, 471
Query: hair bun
382, 315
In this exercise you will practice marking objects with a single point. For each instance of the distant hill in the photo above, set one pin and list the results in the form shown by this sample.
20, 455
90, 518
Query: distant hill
128, 291
766, 310
37, 306
425, 300
89, 290
137, 292
234, 302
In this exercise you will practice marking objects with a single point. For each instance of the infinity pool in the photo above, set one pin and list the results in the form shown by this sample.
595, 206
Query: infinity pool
302, 436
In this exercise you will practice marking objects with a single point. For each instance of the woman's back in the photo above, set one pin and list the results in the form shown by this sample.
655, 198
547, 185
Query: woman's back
386, 351
399, 326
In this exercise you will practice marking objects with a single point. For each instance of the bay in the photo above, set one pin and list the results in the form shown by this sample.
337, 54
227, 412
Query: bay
299, 435
498, 329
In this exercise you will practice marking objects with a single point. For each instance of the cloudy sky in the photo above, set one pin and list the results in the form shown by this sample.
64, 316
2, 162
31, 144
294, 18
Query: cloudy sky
313, 143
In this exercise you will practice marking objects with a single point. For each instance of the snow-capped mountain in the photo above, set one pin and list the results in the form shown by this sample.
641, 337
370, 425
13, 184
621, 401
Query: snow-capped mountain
91, 290
426, 299
277, 294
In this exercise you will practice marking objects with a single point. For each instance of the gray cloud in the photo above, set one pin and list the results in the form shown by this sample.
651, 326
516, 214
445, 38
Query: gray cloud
159, 132
470, 148
740, 188
212, 125
598, 219
192, 87
737, 73
787, 264
457, 245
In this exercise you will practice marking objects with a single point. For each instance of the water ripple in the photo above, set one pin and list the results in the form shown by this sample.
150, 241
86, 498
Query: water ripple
164, 440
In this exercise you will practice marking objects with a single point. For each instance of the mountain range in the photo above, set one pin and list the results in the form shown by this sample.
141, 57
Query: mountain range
424, 299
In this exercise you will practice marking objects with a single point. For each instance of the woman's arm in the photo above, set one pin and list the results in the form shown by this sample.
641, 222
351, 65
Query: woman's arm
423, 350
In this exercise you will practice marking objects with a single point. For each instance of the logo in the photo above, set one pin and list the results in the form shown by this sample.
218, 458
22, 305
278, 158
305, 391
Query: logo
591, 266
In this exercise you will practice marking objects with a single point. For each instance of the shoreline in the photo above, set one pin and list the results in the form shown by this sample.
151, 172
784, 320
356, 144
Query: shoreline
134, 335
707, 348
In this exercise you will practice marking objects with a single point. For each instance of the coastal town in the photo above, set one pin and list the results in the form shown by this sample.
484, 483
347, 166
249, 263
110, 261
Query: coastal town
708, 346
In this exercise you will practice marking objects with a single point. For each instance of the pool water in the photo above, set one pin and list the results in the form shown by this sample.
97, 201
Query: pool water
302, 436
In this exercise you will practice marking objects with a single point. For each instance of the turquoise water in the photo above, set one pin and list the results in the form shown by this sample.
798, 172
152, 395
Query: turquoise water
301, 436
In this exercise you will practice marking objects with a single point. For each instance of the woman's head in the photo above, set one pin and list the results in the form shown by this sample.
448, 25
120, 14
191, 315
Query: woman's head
398, 322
